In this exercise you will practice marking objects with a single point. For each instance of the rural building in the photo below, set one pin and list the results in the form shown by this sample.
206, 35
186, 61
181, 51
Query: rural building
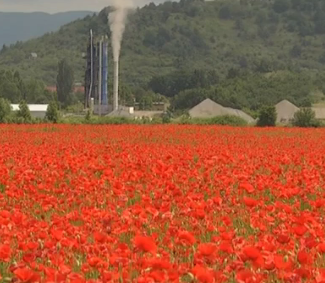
241, 114
76, 89
147, 114
285, 111
104, 109
127, 112
156, 106
36, 110
33, 55
319, 113
209, 109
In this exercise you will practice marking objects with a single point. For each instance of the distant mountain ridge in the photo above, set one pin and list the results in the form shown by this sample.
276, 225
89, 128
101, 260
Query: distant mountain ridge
228, 36
16, 26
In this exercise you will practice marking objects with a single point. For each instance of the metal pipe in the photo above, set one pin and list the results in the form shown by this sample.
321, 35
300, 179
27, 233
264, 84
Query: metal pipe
100, 77
92, 66
105, 72
115, 92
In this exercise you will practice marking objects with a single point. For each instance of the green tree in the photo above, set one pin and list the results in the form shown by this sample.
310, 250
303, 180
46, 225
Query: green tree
281, 6
225, 12
4, 49
166, 118
267, 117
34, 91
24, 112
88, 115
305, 118
52, 113
189, 98
306, 102
296, 51
233, 73
65, 83
5, 109
10, 86
145, 102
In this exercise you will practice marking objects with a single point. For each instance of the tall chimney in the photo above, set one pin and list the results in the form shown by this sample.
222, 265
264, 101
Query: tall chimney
115, 91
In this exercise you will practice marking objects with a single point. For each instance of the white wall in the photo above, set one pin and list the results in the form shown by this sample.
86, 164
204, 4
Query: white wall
38, 114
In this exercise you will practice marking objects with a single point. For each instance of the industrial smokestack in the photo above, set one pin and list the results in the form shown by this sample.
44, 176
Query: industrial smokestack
117, 21
115, 91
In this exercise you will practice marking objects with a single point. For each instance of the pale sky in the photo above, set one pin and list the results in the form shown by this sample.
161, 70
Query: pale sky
53, 6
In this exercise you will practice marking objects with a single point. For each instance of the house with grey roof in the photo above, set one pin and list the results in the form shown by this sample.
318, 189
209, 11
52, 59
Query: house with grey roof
241, 114
209, 109
285, 111
319, 113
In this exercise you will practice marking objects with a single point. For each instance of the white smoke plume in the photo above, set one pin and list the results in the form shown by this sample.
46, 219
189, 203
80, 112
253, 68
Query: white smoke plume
117, 21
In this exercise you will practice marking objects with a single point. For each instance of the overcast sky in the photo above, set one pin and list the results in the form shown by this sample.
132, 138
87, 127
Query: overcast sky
53, 6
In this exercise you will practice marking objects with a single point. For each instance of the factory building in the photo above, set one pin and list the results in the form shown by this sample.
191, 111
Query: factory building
96, 84
36, 110
96, 76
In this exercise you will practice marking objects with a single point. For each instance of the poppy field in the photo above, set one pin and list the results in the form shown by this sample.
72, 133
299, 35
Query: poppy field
161, 203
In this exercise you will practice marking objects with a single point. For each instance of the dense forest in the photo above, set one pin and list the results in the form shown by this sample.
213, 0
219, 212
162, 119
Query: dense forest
242, 54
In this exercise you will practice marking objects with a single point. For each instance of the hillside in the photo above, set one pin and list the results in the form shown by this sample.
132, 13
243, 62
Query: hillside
237, 53
259, 35
24, 26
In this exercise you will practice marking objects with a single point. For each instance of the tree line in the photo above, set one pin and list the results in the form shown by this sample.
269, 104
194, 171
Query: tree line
184, 89
14, 89
239, 89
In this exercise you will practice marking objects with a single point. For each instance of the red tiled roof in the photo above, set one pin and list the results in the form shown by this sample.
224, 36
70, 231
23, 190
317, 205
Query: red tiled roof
76, 89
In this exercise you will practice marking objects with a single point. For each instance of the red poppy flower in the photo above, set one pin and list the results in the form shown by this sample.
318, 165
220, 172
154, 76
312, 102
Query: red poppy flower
187, 237
5, 253
207, 249
26, 275
145, 244
251, 252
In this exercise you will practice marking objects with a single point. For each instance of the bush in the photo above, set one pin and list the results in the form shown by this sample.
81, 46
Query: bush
5, 110
52, 113
166, 118
88, 115
305, 118
281, 6
18, 120
267, 117
23, 113
226, 120
103, 120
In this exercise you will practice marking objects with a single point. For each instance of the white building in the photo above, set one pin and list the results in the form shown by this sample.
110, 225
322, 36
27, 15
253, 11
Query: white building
319, 113
36, 110
33, 55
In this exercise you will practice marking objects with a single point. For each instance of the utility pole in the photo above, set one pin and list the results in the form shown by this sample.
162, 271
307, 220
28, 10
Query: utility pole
91, 66
100, 77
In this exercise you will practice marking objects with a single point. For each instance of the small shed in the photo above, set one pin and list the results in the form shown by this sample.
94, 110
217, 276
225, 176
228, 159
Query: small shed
36, 110
33, 55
